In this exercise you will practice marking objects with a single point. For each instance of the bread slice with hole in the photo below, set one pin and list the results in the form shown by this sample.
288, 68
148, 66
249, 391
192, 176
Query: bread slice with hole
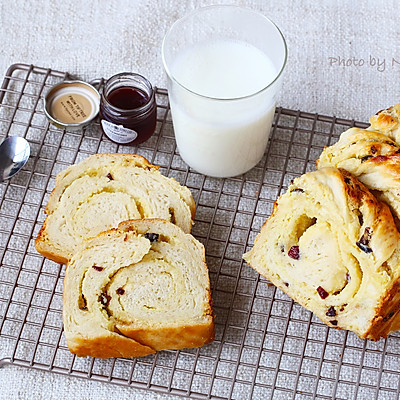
137, 289
334, 248
103, 190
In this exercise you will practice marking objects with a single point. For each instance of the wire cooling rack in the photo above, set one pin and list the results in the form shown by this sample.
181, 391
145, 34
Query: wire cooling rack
266, 346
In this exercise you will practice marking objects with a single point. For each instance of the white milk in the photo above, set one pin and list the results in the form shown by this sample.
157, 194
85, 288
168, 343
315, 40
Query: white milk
222, 137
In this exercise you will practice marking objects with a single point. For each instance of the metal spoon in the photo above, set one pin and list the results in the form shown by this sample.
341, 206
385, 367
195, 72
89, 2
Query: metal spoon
14, 153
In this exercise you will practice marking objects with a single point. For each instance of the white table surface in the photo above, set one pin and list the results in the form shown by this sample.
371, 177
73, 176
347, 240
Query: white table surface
344, 60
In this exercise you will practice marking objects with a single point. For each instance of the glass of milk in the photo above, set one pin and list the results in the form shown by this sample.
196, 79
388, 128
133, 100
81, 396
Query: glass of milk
224, 68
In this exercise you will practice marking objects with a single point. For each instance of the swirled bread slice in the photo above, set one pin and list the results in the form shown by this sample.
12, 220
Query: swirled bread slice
334, 248
373, 158
103, 190
137, 289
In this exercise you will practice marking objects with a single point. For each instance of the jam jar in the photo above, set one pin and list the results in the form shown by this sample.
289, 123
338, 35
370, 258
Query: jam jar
128, 110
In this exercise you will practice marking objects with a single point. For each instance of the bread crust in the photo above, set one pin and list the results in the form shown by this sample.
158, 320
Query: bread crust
176, 338
388, 122
387, 318
373, 158
43, 246
108, 346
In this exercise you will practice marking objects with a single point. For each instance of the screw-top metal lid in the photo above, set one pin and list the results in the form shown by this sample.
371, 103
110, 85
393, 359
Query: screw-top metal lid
72, 104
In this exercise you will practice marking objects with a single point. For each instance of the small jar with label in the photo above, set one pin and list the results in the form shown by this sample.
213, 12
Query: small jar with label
128, 111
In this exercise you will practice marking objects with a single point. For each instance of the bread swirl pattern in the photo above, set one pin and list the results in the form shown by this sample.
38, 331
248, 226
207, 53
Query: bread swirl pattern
334, 248
373, 158
103, 190
137, 289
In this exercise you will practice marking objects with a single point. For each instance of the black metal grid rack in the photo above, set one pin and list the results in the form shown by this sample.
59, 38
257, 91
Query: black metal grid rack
266, 345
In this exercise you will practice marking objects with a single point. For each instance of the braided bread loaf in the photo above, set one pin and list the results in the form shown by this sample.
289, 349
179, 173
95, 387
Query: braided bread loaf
103, 190
137, 289
334, 248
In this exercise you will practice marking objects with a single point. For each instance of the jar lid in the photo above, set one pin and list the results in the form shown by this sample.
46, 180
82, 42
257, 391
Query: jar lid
71, 104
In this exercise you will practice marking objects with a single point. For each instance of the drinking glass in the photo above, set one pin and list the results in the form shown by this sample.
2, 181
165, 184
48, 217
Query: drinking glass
224, 67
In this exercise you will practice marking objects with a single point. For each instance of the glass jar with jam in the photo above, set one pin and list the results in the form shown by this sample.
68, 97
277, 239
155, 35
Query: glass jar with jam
128, 110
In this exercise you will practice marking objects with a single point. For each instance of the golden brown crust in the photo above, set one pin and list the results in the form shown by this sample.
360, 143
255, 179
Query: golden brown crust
108, 347
42, 247
387, 120
387, 318
173, 338
373, 158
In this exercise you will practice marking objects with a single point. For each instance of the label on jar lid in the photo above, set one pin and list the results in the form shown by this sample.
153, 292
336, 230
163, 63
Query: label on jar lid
72, 104
118, 133
71, 108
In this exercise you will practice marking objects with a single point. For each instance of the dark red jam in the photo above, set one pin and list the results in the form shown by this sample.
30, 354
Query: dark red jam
128, 98
128, 111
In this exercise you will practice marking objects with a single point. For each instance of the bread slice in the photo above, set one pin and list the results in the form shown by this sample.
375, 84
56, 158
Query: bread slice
137, 289
334, 248
103, 190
